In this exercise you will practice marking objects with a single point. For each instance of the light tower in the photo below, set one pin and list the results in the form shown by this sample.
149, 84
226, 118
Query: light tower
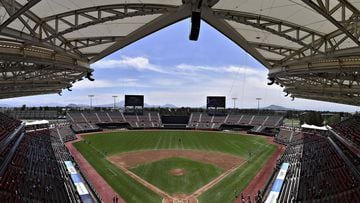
91, 97
114, 101
234, 99
258, 101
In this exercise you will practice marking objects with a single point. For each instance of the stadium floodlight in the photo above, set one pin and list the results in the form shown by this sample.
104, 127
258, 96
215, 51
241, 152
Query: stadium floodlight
258, 101
91, 96
234, 99
114, 101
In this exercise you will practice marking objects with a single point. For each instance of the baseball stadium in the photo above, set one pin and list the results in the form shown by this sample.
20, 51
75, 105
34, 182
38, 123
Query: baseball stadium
199, 147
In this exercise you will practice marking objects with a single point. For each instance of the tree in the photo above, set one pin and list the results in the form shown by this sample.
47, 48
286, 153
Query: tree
333, 119
313, 118
23, 107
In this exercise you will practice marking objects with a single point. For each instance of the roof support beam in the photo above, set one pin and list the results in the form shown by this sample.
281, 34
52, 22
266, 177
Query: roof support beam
232, 34
327, 12
19, 12
325, 65
336, 90
7, 95
130, 10
334, 55
29, 39
30, 82
39, 28
86, 42
337, 36
286, 30
334, 99
273, 48
158, 23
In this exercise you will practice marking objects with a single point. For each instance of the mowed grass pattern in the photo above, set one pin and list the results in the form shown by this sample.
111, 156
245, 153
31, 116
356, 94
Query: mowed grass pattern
196, 174
96, 147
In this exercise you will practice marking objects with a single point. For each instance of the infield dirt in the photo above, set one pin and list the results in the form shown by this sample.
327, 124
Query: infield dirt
133, 159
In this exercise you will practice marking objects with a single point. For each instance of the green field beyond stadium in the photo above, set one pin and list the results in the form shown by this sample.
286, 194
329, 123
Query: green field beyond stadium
96, 148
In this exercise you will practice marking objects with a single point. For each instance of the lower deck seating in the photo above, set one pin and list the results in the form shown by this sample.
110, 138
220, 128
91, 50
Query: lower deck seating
317, 173
286, 135
349, 129
62, 154
84, 127
64, 132
88, 121
115, 117
34, 114
33, 173
352, 156
104, 117
7, 125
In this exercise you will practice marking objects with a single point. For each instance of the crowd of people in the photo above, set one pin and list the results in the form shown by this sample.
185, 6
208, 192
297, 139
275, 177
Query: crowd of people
349, 129
317, 172
33, 173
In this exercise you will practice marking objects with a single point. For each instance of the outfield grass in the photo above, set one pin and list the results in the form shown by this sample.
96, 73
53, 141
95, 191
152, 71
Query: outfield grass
237, 181
96, 147
197, 174
129, 189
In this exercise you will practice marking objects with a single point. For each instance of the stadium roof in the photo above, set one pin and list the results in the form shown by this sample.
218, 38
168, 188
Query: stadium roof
311, 47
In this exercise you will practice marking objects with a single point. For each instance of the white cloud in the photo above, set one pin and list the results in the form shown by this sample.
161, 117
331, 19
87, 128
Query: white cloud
221, 69
98, 83
131, 82
194, 68
87, 84
243, 70
137, 63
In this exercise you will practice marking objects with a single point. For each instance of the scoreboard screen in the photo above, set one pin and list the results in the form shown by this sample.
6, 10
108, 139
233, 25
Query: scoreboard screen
134, 100
215, 101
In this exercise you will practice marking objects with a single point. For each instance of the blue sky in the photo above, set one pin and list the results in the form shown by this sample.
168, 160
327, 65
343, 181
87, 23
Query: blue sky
168, 68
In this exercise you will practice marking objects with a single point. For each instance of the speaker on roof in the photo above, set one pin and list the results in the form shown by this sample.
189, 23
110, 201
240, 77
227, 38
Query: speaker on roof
272, 80
89, 76
195, 26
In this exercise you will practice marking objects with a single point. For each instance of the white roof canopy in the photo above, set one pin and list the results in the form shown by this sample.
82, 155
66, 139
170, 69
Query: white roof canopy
313, 127
39, 122
309, 46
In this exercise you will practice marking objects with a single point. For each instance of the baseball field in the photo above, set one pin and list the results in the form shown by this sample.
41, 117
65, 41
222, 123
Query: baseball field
172, 166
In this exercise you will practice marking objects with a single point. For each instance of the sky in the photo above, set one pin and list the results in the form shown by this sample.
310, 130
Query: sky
168, 68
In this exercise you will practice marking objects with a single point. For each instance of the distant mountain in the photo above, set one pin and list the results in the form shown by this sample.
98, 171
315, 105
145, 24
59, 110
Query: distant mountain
169, 106
162, 106
277, 108
77, 105
52, 104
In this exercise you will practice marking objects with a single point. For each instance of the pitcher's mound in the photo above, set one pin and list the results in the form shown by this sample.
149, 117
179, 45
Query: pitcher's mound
177, 172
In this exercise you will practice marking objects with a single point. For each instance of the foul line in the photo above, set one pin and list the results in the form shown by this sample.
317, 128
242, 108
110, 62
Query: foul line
211, 184
194, 195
